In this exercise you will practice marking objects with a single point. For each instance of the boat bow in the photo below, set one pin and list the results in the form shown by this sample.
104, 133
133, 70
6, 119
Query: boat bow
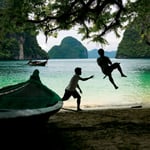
29, 99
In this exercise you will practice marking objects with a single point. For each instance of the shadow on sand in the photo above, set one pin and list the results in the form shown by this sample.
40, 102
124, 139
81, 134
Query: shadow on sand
26, 135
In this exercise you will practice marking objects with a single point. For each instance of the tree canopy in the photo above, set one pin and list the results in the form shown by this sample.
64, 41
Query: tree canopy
94, 18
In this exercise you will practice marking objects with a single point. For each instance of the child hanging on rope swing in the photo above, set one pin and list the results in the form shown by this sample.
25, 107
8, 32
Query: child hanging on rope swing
107, 66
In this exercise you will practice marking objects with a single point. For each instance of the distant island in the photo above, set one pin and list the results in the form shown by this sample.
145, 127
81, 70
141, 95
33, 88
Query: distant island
93, 53
70, 48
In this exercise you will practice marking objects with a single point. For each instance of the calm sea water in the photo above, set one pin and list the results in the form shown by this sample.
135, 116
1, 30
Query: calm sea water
97, 92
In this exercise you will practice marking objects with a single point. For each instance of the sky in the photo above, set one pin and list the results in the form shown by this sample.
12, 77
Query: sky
111, 38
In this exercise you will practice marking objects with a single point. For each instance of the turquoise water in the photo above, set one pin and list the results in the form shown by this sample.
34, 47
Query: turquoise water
97, 92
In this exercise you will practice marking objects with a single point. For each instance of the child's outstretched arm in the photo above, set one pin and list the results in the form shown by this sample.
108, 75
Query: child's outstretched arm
84, 79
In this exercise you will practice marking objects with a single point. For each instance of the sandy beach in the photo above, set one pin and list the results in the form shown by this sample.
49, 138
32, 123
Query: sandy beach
108, 129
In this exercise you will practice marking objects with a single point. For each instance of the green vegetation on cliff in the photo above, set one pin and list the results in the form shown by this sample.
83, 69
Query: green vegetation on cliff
33, 50
132, 45
10, 48
136, 39
69, 48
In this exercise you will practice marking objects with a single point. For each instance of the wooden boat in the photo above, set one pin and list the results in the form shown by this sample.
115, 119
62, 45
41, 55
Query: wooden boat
37, 63
29, 101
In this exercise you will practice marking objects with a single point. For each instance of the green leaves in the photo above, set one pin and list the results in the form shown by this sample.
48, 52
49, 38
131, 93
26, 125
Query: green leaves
95, 18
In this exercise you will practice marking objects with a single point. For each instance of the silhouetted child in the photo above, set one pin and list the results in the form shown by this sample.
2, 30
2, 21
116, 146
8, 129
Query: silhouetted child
107, 66
73, 84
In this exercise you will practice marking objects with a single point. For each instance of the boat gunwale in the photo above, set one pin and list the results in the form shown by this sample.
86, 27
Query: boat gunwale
18, 113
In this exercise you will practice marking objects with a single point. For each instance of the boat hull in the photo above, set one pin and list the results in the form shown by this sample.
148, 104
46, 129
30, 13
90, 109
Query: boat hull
28, 102
37, 63
29, 117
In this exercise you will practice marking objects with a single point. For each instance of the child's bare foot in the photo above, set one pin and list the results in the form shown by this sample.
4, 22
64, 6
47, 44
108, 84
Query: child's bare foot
79, 109
116, 87
123, 75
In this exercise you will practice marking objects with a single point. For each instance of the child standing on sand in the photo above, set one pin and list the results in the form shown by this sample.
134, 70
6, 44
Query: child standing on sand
73, 84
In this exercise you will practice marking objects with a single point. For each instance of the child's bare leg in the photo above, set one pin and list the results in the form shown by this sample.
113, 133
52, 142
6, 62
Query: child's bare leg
78, 103
117, 65
112, 81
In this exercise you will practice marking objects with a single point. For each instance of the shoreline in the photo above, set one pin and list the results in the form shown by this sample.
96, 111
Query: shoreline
104, 107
